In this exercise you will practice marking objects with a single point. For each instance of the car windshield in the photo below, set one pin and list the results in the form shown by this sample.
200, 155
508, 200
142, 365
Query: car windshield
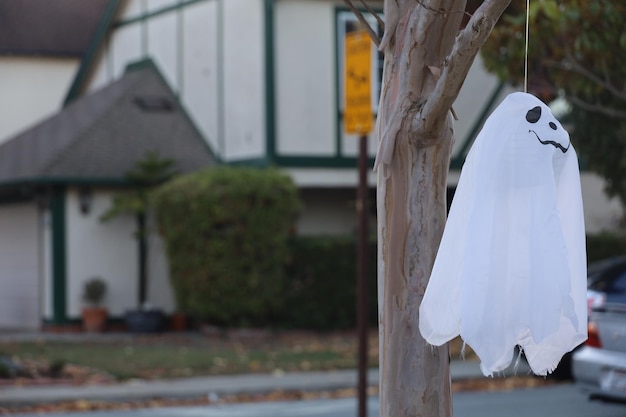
599, 272
609, 282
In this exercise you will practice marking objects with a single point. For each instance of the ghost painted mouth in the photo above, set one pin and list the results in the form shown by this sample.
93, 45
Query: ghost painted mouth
551, 142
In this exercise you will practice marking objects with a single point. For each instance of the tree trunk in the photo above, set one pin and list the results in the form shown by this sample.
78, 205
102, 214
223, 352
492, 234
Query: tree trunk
412, 208
425, 65
142, 247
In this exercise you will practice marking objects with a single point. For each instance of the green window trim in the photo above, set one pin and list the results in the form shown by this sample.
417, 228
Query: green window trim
273, 157
147, 15
59, 255
270, 86
97, 41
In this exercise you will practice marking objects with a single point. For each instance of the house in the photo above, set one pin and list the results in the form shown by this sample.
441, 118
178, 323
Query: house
56, 181
38, 60
260, 81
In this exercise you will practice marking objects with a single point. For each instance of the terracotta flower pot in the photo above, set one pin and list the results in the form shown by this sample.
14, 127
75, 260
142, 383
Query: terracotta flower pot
94, 319
178, 322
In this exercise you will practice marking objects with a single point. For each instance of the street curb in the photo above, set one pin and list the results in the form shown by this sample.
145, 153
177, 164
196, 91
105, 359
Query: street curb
186, 388
198, 387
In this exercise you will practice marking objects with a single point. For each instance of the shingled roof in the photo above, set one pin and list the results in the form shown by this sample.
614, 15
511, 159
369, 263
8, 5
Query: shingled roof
49, 27
99, 137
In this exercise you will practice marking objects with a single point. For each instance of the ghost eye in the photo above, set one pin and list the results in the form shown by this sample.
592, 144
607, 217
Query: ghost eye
552, 125
533, 114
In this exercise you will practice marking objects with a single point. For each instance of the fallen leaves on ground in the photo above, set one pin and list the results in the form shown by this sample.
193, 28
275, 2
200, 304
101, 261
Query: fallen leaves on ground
39, 372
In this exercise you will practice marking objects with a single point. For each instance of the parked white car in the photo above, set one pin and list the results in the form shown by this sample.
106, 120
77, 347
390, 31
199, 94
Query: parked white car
606, 283
599, 367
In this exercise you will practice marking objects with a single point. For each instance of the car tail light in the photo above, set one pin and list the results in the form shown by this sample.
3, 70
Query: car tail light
593, 338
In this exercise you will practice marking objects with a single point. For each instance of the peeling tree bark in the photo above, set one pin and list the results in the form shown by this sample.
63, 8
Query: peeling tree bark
425, 66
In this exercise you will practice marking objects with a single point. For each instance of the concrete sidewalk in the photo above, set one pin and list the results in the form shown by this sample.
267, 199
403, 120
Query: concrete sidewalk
216, 385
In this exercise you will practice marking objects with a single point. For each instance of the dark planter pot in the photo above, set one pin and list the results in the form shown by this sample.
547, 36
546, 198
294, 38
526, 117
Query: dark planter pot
145, 321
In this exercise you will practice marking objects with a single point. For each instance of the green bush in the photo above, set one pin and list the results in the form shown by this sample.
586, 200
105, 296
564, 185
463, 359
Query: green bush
321, 289
226, 232
605, 245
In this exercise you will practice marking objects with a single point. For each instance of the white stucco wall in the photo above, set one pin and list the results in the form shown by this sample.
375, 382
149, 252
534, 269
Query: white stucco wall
328, 177
309, 69
160, 291
160, 4
305, 78
601, 212
20, 258
163, 46
472, 100
108, 250
32, 89
125, 47
202, 71
244, 79
211, 54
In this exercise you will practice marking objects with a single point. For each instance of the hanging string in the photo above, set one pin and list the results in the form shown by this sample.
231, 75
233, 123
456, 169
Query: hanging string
526, 50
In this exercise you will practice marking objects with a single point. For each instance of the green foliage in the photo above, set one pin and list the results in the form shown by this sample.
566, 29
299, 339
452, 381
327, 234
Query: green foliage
94, 291
601, 141
226, 231
148, 172
566, 38
321, 291
575, 50
200, 355
604, 245
5, 372
56, 367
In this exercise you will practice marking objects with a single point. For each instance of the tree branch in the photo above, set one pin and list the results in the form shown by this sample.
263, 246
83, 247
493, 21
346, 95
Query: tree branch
363, 21
456, 67
571, 64
380, 21
440, 12
597, 108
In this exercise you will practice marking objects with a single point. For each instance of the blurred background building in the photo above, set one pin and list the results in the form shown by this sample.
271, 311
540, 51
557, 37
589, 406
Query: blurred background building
87, 87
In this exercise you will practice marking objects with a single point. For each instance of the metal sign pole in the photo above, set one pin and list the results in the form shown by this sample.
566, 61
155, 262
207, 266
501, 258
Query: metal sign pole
362, 275
358, 120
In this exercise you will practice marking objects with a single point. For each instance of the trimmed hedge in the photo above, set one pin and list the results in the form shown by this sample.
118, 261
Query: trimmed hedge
226, 231
321, 290
234, 260
605, 245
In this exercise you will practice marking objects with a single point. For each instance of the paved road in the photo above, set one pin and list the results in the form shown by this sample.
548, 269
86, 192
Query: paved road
554, 401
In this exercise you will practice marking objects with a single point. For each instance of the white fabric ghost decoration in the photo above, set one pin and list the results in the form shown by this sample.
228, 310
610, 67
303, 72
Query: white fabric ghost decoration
511, 266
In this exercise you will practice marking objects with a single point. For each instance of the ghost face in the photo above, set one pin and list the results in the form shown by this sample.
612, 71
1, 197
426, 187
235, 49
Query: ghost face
546, 129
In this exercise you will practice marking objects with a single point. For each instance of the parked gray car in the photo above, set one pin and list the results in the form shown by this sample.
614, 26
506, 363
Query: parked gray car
599, 367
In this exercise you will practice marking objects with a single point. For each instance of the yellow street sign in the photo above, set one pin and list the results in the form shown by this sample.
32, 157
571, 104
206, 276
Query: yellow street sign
358, 117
